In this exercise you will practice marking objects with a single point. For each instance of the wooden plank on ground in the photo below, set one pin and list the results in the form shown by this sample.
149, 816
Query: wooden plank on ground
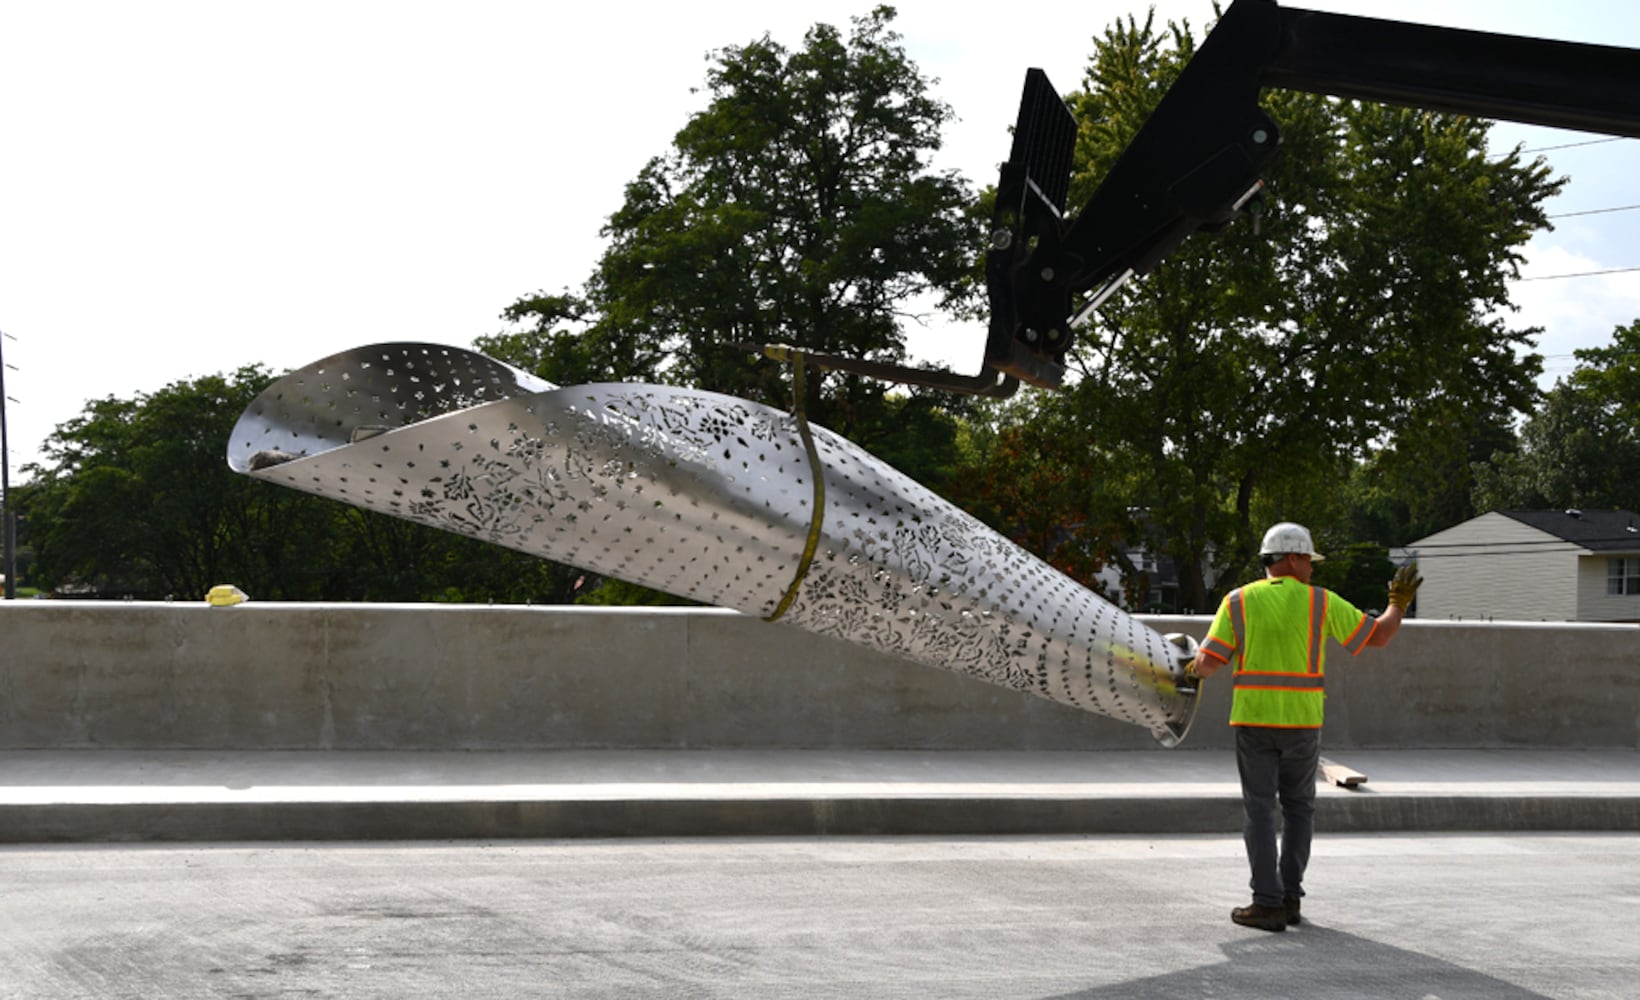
1341, 775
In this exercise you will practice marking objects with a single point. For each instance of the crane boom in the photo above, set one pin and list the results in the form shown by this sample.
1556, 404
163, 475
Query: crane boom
1198, 160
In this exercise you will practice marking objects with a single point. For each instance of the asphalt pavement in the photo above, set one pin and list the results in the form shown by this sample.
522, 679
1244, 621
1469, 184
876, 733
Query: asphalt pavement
1420, 917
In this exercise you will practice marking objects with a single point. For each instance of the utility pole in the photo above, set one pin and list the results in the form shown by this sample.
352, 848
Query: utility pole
8, 520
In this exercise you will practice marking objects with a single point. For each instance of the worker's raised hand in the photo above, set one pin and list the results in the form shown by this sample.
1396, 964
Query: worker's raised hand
1403, 587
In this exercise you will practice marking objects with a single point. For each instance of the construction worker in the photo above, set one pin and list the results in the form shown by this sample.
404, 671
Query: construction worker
1275, 633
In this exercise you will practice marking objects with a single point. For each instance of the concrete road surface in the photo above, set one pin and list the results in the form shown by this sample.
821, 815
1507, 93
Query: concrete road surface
1445, 917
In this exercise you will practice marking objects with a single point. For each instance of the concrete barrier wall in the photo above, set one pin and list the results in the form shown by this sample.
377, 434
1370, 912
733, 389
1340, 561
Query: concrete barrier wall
272, 676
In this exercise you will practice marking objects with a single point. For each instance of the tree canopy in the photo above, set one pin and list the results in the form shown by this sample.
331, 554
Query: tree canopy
798, 207
1582, 447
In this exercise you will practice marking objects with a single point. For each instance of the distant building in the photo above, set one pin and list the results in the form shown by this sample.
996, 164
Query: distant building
1533, 565
1158, 582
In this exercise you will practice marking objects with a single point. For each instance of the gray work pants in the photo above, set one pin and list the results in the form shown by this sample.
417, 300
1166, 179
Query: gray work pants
1278, 769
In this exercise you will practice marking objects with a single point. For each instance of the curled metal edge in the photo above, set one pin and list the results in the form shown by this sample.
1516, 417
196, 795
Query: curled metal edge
709, 497
364, 392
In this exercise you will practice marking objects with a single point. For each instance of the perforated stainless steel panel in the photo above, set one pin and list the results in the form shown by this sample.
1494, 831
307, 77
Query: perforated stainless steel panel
709, 497
364, 392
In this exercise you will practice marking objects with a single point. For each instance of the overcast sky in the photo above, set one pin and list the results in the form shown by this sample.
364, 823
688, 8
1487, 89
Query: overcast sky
189, 187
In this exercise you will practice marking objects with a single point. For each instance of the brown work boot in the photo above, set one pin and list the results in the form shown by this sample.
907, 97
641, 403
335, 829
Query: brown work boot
1290, 904
1265, 918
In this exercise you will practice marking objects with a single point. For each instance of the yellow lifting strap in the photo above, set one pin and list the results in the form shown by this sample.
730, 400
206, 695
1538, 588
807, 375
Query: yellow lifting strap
797, 359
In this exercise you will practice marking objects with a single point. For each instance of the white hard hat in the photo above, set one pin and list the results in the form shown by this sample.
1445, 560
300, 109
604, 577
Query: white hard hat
1289, 537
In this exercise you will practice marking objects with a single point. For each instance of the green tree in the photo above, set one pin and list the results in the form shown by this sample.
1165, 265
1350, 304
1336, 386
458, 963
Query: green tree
1358, 572
136, 495
374, 557
1036, 479
798, 207
1582, 446
1428, 478
1244, 377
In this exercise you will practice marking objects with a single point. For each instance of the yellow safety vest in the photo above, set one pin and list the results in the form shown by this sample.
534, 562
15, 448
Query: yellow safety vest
1275, 634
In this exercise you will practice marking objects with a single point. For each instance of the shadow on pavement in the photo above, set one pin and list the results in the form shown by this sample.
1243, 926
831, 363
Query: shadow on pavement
1315, 963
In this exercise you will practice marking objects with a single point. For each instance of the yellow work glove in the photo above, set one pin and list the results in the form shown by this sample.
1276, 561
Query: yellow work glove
1403, 587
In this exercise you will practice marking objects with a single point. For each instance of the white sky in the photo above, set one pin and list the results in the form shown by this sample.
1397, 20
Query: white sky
188, 186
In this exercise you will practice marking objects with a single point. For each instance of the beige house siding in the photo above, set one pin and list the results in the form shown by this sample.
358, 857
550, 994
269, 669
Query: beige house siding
1495, 567
1593, 603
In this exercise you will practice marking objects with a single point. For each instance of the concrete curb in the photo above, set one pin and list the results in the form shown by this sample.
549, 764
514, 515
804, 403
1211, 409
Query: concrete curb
781, 817
114, 796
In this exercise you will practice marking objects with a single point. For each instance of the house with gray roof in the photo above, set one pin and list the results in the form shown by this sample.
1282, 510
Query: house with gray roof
1533, 565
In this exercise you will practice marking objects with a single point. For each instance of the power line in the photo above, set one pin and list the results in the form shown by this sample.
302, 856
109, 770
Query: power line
1495, 157
1574, 145
1593, 211
1580, 274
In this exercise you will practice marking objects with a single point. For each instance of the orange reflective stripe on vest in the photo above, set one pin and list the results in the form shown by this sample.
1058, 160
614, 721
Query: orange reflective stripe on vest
1318, 622
1363, 632
1279, 680
1238, 625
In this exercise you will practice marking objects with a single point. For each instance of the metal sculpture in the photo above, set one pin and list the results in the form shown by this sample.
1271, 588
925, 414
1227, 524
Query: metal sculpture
713, 498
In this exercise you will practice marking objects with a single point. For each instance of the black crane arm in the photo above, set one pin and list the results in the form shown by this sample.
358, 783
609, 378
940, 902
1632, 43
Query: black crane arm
1198, 159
